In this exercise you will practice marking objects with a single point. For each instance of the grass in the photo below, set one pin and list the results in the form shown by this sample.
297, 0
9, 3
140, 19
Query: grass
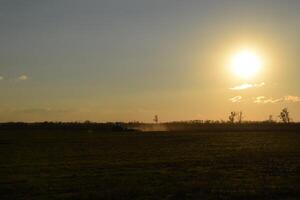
149, 165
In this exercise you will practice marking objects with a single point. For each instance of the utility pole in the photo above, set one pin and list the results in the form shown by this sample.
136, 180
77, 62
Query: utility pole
240, 117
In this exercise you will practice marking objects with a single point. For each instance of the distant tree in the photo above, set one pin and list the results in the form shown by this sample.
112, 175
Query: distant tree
285, 116
155, 119
232, 117
270, 119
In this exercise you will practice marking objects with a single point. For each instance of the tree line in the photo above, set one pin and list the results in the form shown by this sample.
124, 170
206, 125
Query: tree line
235, 122
237, 117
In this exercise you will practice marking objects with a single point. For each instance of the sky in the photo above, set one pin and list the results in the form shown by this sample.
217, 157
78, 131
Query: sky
128, 60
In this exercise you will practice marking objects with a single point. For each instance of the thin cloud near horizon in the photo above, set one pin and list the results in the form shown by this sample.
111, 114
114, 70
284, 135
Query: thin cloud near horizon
287, 98
267, 100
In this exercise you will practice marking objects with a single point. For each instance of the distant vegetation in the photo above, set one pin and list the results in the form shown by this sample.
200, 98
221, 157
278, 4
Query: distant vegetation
235, 122
85, 126
169, 126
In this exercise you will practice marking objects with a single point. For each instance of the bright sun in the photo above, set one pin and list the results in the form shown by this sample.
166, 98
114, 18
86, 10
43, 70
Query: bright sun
245, 64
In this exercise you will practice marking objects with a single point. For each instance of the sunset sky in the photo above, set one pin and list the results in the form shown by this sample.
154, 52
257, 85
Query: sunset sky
125, 60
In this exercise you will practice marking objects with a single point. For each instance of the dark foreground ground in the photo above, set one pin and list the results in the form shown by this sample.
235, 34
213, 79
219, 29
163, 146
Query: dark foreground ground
166, 165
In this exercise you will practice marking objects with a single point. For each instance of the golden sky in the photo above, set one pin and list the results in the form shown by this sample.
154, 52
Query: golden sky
125, 60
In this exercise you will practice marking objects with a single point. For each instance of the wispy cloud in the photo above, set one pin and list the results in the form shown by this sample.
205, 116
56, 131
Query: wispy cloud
288, 98
23, 78
1, 78
265, 100
236, 99
291, 98
247, 86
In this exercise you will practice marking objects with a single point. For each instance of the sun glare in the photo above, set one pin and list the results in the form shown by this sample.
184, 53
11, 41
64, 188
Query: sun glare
245, 64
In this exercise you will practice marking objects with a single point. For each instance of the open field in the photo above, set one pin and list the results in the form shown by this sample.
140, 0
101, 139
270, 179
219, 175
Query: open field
149, 165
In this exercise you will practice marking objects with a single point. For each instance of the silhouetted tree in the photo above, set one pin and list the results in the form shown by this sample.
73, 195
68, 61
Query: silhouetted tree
232, 117
270, 119
285, 116
155, 119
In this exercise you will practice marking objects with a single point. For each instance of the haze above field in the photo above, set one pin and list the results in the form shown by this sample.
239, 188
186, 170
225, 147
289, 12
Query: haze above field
124, 60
